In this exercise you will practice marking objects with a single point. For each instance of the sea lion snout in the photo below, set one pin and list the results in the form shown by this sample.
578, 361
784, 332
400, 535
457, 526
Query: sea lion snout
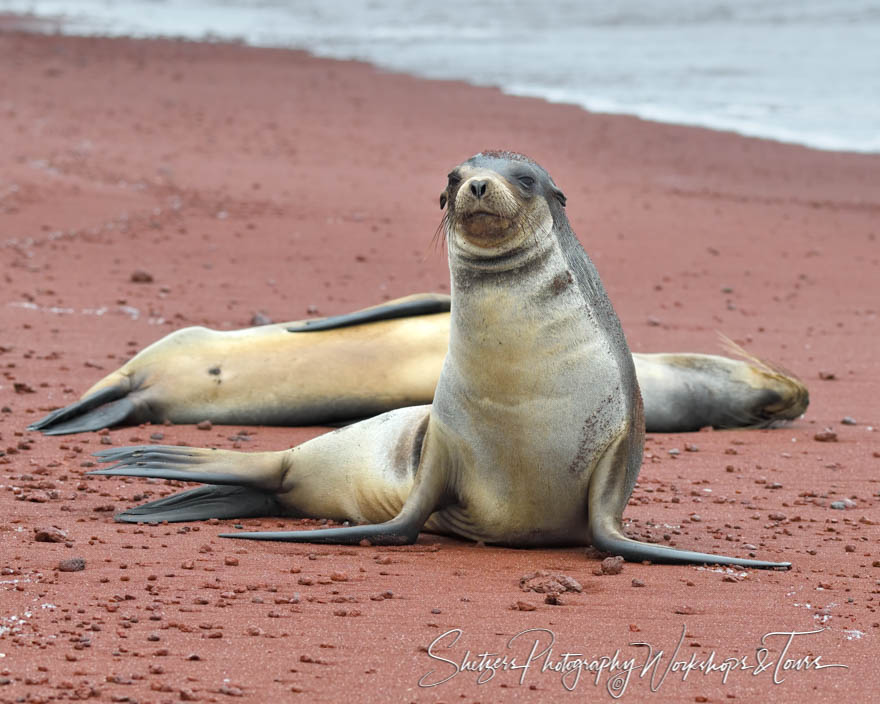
478, 187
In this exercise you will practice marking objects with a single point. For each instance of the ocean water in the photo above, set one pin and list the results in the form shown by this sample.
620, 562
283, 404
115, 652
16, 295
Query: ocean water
801, 71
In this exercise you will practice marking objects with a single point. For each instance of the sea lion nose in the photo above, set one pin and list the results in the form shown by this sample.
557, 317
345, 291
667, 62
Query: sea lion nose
478, 188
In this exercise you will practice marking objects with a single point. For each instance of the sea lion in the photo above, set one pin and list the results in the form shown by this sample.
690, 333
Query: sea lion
535, 434
357, 365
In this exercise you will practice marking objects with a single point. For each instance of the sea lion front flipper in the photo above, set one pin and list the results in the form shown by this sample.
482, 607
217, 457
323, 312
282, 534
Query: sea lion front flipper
607, 498
101, 409
417, 304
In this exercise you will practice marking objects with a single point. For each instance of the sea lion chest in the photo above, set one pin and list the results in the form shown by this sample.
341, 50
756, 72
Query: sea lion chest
528, 399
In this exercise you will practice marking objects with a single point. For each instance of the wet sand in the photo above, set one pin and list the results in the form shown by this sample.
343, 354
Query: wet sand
247, 180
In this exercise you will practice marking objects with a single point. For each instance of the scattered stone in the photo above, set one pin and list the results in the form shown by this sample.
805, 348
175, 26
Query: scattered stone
260, 318
139, 276
49, 535
848, 420
638, 583
545, 582
230, 561
553, 599
827, 376
205, 425
612, 565
72, 564
826, 435
523, 606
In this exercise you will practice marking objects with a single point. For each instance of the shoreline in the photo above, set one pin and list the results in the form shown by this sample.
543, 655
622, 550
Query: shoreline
62, 25
249, 180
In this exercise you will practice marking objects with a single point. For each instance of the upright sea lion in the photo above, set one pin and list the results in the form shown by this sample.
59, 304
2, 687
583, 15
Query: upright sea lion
357, 365
535, 435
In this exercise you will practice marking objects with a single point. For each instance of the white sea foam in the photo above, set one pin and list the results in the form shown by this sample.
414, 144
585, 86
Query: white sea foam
803, 71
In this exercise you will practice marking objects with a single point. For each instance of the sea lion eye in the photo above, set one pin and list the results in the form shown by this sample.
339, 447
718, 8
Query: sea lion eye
526, 181
454, 179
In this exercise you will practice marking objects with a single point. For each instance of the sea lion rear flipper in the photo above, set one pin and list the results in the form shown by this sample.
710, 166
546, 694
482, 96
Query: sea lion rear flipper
428, 492
244, 485
607, 498
418, 304
203, 503
102, 409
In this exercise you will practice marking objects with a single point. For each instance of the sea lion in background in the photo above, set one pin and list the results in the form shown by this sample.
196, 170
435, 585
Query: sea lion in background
535, 435
371, 361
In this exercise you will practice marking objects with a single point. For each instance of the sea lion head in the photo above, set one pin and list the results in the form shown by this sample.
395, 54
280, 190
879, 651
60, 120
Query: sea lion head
498, 203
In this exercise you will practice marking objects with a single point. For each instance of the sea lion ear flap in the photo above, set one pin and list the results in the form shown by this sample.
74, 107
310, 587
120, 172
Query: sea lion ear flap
443, 199
560, 196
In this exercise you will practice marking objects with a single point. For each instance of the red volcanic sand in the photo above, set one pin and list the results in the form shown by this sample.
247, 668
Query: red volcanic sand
247, 180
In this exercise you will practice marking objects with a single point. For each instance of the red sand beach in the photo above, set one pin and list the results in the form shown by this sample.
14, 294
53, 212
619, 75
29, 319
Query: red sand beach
247, 180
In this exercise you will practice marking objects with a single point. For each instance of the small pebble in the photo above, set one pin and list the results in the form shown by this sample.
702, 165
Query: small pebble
73, 564
848, 420
139, 276
638, 583
260, 318
612, 565
826, 435
523, 606
49, 535
205, 425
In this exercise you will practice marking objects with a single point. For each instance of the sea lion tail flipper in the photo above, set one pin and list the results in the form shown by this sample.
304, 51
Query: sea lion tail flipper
410, 306
205, 502
101, 409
